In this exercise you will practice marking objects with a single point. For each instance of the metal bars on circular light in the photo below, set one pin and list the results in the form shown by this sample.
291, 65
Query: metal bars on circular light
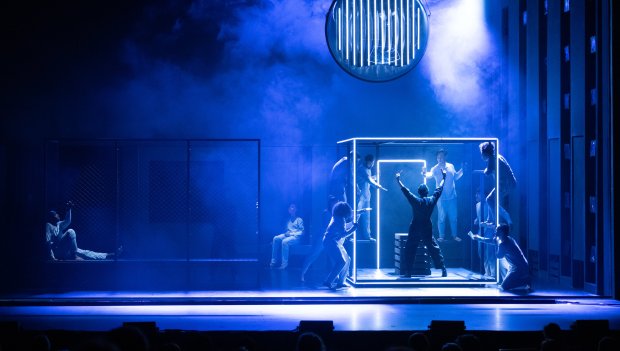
377, 40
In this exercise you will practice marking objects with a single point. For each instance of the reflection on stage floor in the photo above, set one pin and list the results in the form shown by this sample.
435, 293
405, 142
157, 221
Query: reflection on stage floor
456, 276
284, 300
286, 286
350, 309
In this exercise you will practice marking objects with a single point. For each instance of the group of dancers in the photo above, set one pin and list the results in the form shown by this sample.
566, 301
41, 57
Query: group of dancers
342, 224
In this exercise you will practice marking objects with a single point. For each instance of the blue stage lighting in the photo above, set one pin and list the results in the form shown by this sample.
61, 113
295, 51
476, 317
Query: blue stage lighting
377, 40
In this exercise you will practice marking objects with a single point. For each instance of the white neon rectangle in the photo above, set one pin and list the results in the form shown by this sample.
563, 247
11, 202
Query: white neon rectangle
378, 194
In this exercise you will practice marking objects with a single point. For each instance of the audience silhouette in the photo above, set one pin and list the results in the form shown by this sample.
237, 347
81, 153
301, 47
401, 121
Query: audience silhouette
139, 338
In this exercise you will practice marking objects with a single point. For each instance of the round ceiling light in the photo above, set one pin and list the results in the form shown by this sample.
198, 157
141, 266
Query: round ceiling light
377, 40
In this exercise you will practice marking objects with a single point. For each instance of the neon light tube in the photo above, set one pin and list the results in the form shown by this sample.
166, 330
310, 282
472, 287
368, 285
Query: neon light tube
375, 20
389, 32
401, 32
413, 29
481, 139
368, 29
418, 40
346, 16
354, 163
339, 29
354, 35
383, 19
378, 194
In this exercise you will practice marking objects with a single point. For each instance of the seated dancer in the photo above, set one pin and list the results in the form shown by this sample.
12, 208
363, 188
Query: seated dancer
333, 241
518, 276
421, 228
282, 242
62, 241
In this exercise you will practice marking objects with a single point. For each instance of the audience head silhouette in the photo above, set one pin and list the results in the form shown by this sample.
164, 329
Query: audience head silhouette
310, 341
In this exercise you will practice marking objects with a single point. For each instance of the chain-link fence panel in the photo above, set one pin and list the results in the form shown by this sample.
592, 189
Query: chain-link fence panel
85, 174
160, 200
223, 196
153, 199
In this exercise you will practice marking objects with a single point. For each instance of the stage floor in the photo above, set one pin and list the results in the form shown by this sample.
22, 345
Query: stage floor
281, 311
300, 294
286, 286
283, 300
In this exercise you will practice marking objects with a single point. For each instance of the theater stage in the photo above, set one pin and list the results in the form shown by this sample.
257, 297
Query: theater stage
286, 301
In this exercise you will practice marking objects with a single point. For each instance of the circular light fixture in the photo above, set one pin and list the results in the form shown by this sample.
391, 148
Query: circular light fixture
377, 40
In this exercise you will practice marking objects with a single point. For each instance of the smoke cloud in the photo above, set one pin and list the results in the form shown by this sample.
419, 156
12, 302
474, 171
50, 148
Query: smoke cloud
462, 62
260, 69
257, 71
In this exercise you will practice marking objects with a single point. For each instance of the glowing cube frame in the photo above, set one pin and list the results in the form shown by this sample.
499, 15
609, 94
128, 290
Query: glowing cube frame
369, 141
